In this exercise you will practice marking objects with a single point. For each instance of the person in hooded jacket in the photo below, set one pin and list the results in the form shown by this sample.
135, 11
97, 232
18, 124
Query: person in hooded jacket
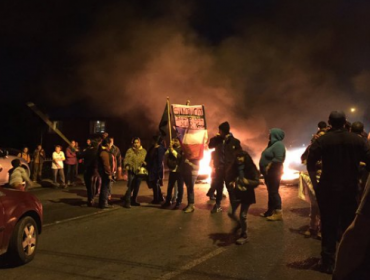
246, 179
271, 167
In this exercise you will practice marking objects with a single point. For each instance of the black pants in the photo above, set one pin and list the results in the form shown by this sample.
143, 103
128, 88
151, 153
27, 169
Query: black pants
337, 209
71, 172
172, 179
219, 181
103, 196
157, 193
93, 184
37, 171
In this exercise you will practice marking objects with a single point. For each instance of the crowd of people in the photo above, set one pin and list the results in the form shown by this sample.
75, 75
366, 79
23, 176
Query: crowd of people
338, 164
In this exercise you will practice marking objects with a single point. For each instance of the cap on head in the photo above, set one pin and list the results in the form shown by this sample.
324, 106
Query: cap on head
337, 119
224, 127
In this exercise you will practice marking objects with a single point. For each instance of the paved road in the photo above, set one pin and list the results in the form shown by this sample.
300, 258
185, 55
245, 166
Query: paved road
147, 242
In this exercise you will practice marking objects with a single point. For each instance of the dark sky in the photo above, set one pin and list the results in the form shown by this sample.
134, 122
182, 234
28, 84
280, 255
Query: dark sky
258, 64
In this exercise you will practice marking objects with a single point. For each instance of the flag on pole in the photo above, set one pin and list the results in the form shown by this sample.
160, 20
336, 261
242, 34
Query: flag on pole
190, 124
163, 125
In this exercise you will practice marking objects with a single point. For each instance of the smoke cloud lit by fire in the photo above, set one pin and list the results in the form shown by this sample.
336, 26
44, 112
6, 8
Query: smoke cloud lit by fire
288, 70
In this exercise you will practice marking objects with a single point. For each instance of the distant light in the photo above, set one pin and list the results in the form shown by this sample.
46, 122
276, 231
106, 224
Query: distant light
353, 110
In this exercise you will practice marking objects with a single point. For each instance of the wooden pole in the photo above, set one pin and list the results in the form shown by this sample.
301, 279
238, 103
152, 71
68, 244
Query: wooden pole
169, 118
33, 107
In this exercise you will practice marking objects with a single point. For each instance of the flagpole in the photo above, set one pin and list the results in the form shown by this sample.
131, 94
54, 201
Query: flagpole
169, 118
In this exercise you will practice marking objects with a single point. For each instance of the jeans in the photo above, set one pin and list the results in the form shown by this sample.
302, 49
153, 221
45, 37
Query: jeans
133, 186
71, 172
156, 187
172, 179
103, 196
61, 175
37, 171
242, 221
189, 180
93, 184
272, 181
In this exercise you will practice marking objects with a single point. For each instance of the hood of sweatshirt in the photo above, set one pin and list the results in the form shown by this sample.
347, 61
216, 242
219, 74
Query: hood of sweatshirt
277, 134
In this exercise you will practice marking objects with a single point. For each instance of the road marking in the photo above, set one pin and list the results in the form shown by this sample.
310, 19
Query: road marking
79, 217
192, 264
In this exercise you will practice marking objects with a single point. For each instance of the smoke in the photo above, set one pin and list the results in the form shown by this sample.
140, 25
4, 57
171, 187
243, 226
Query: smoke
287, 71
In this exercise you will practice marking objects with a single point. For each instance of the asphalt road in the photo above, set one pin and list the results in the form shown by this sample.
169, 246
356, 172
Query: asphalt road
148, 242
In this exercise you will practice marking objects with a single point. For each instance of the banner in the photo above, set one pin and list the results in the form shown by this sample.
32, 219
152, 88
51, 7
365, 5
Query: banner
191, 127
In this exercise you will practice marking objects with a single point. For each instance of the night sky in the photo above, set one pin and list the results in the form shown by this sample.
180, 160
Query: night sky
258, 64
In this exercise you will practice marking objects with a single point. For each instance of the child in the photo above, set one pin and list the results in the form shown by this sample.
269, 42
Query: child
246, 179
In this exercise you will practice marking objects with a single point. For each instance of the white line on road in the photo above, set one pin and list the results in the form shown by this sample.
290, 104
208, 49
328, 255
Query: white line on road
192, 264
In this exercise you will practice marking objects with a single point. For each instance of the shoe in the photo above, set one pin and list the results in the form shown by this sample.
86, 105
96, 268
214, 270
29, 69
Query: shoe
90, 203
166, 205
266, 214
134, 203
242, 239
318, 236
211, 196
276, 216
216, 209
311, 233
177, 205
325, 267
189, 209
127, 205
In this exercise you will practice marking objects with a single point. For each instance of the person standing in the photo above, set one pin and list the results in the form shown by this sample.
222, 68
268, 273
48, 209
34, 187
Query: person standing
134, 160
71, 162
154, 161
105, 168
225, 145
173, 159
271, 167
341, 153
58, 166
92, 178
246, 179
25, 155
38, 161
117, 165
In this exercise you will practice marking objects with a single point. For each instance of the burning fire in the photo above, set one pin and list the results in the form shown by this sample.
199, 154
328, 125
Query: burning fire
293, 159
205, 168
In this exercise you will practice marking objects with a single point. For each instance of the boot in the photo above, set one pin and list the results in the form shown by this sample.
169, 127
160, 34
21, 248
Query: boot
277, 215
190, 208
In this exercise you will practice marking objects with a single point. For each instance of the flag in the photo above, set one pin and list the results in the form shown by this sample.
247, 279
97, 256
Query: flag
192, 141
163, 125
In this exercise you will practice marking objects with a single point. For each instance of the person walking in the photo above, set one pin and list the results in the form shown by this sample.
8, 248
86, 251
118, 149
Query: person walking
246, 179
271, 167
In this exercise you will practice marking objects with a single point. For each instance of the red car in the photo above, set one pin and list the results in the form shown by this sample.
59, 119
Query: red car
20, 225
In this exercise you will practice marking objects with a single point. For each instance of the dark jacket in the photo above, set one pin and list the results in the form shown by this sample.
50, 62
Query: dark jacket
224, 154
341, 153
90, 157
275, 150
244, 189
154, 160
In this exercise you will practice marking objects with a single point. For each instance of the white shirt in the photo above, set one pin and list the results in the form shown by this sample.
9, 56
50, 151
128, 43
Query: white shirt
59, 158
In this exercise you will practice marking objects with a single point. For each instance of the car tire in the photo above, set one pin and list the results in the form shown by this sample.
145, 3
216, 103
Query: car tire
24, 240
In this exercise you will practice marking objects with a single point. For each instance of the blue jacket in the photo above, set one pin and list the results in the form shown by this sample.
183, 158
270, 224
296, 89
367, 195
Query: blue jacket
275, 151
